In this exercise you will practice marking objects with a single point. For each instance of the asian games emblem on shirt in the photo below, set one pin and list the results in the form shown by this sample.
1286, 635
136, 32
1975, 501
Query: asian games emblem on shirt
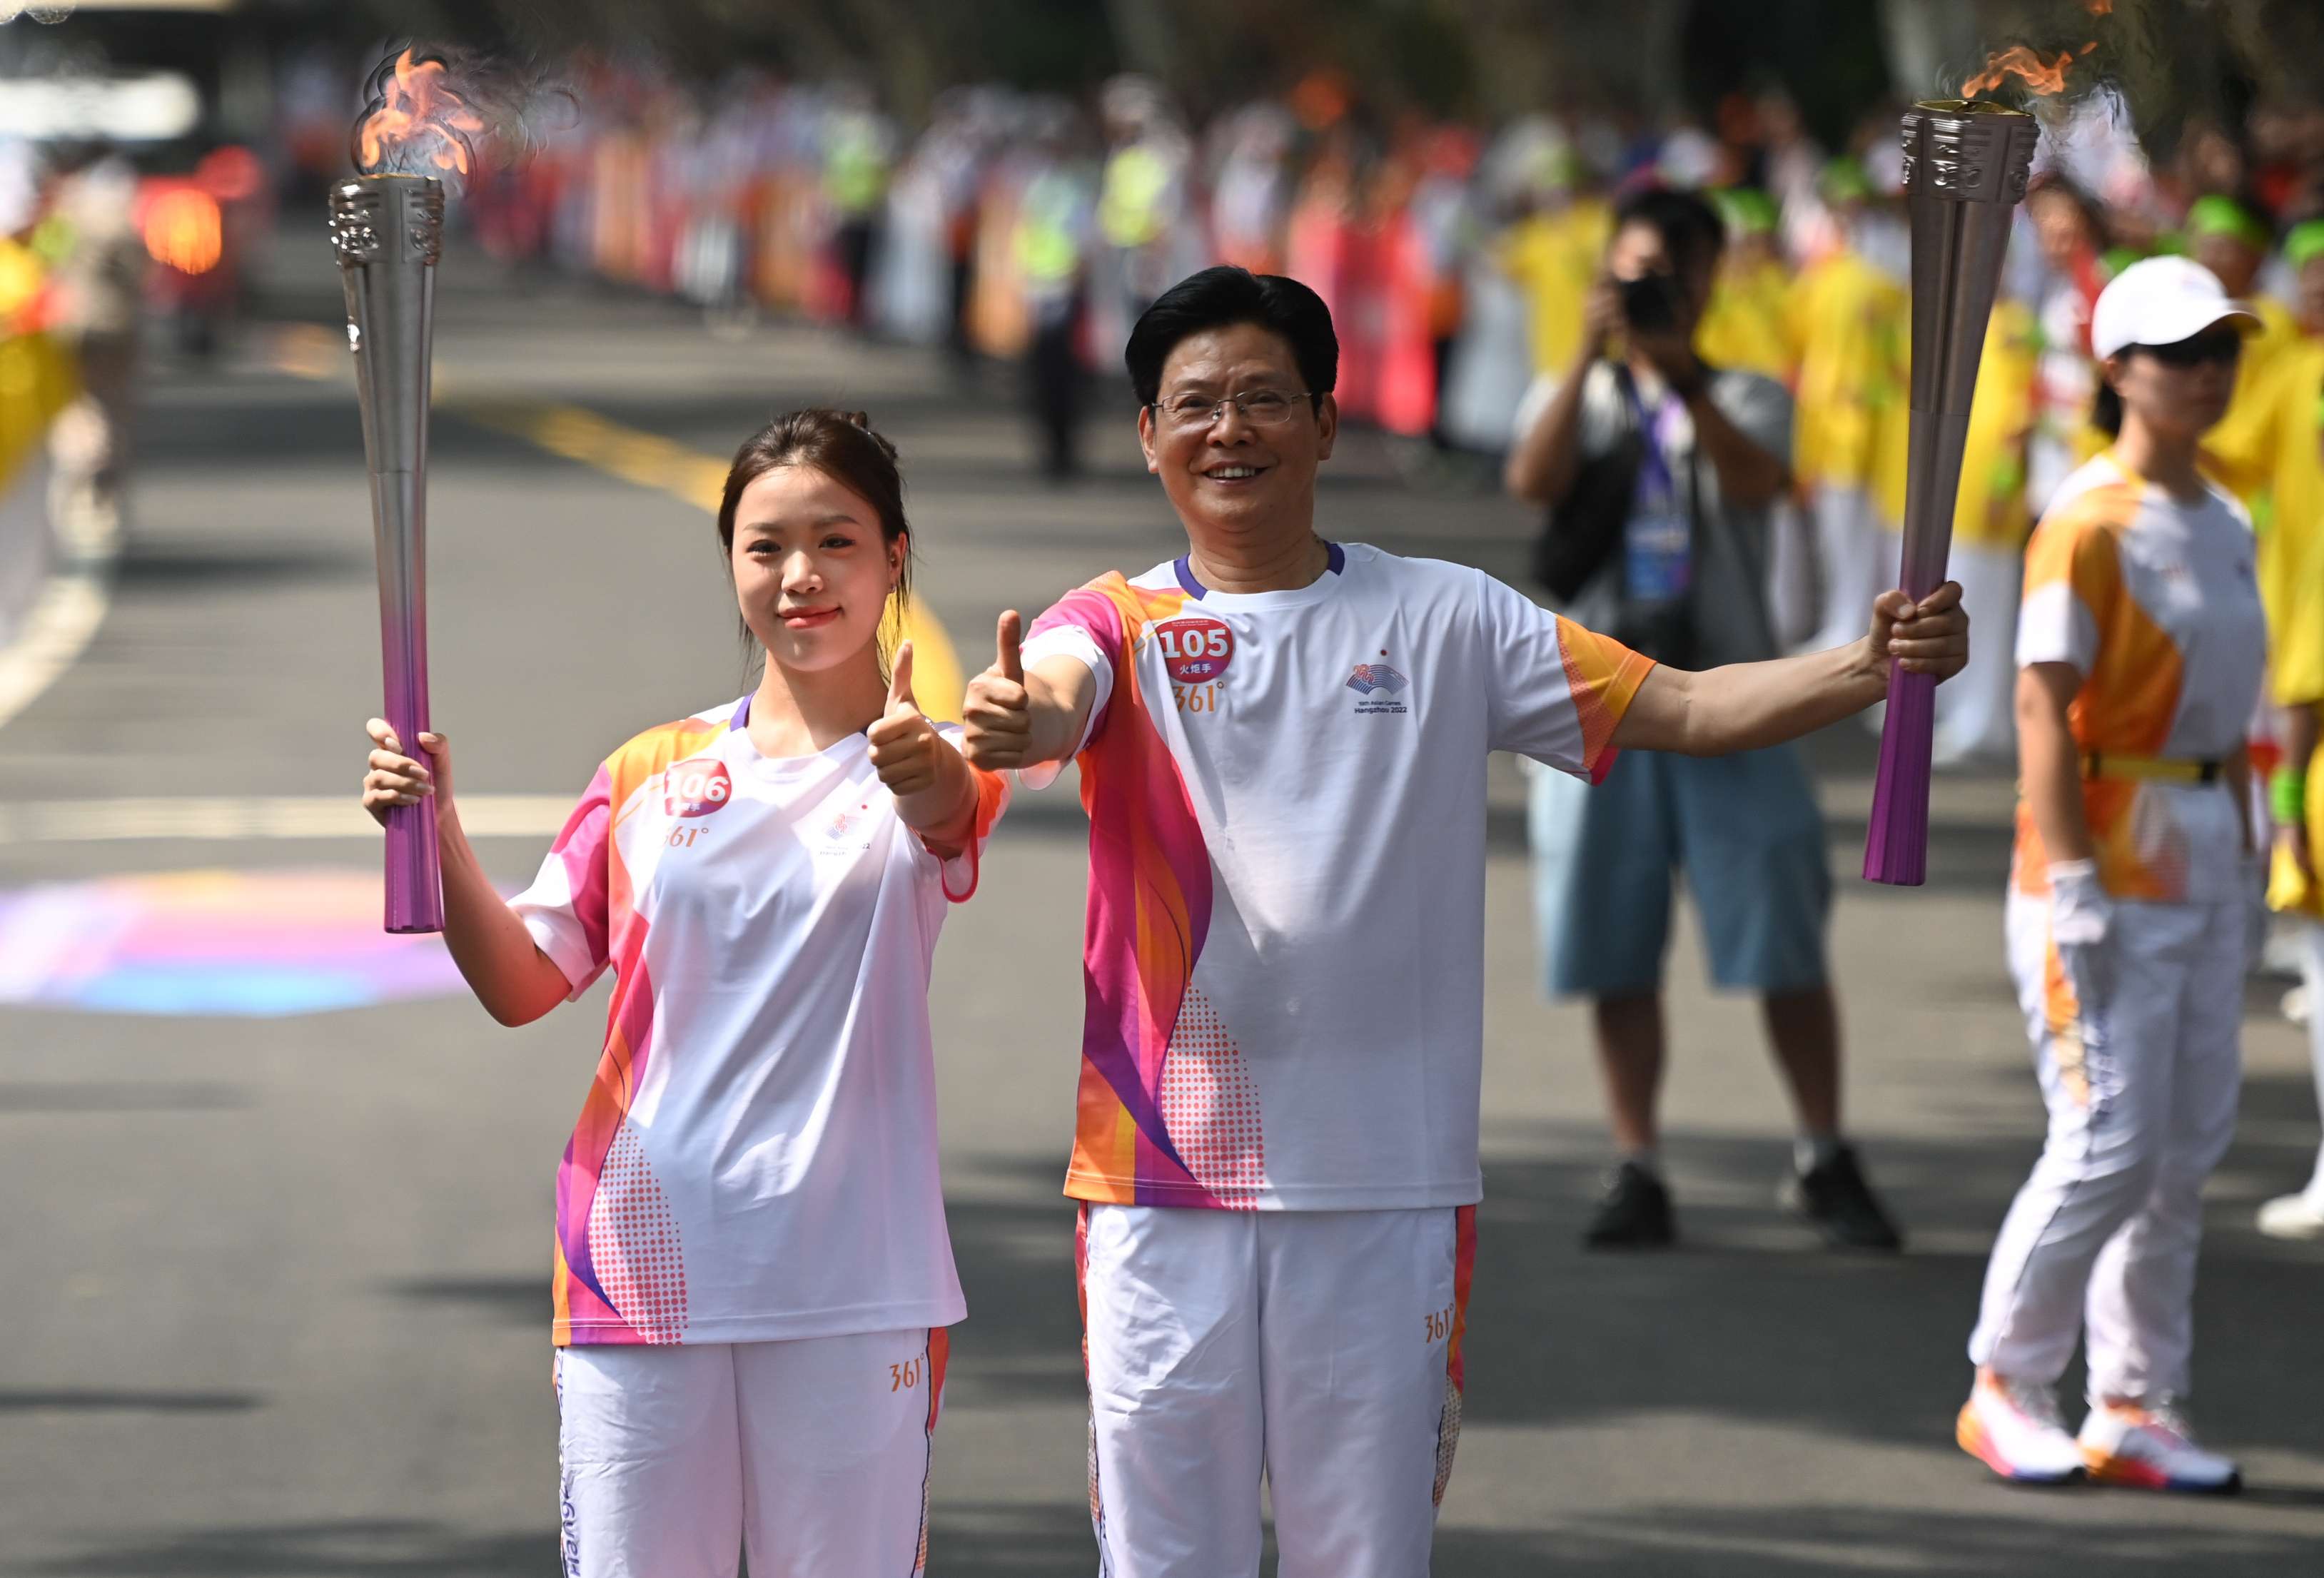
1380, 687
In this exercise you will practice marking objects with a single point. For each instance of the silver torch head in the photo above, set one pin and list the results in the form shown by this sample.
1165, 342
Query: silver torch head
1966, 164
388, 231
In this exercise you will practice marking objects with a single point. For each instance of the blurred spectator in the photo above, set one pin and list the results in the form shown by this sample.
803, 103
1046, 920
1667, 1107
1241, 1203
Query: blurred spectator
97, 263
1056, 218
1847, 319
2071, 229
2292, 584
1665, 470
2228, 237
859, 147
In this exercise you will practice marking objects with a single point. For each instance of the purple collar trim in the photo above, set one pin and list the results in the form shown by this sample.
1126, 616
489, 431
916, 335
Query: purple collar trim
1335, 560
741, 718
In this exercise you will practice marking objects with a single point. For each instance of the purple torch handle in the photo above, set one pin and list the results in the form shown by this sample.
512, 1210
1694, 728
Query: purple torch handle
388, 233
1965, 170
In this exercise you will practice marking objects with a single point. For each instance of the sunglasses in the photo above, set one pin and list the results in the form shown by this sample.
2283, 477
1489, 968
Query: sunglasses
2213, 345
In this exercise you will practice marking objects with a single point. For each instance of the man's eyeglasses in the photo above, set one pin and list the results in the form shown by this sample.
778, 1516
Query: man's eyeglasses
1261, 407
2213, 345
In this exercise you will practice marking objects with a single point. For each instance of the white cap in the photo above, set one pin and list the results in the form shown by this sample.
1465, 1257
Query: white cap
2160, 301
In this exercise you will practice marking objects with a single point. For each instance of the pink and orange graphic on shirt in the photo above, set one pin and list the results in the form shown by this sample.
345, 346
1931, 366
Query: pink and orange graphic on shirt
1149, 909
619, 1276
2128, 702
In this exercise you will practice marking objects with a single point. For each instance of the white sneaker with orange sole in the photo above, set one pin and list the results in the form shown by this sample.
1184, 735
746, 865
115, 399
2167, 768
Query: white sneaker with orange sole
2012, 1427
2153, 1448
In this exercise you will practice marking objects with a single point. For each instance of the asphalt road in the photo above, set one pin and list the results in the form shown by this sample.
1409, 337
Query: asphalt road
283, 1274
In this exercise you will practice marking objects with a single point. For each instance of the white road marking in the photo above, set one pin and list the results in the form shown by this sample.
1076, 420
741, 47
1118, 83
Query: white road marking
65, 614
168, 819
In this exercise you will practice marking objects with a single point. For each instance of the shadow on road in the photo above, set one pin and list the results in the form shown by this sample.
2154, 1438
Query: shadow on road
111, 1400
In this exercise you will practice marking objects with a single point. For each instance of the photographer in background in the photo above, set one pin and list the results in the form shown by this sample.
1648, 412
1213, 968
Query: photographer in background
1658, 473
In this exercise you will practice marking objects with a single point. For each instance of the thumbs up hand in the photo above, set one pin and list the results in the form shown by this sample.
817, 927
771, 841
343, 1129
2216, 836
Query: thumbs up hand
997, 715
904, 743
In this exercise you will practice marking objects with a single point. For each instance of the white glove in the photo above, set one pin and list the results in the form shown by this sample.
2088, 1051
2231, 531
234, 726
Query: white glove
2081, 911
2081, 928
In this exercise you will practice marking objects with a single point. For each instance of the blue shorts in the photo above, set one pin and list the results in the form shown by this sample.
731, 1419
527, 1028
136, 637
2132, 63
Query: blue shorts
1745, 829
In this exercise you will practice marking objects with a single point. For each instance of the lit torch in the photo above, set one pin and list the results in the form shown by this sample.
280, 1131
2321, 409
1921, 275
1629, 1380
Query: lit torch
387, 227
1965, 168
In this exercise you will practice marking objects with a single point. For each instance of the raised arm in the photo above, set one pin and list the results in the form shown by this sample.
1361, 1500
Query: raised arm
935, 792
1542, 462
1744, 707
510, 976
1011, 718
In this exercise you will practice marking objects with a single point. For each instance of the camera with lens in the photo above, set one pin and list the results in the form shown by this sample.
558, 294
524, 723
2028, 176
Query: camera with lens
1650, 303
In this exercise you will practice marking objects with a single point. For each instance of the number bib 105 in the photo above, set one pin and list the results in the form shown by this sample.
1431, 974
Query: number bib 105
1195, 651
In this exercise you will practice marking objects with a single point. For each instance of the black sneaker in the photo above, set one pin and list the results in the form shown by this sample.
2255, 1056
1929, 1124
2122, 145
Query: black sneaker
1835, 1200
1633, 1214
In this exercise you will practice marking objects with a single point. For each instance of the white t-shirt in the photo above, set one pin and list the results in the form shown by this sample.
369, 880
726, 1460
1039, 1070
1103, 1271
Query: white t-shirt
2154, 601
1284, 940
757, 1157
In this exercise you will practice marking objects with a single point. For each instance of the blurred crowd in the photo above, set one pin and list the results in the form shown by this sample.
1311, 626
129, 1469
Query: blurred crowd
1455, 260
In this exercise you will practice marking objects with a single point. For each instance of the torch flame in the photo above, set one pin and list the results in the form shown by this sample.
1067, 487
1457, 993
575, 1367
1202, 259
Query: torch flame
183, 230
414, 118
2041, 77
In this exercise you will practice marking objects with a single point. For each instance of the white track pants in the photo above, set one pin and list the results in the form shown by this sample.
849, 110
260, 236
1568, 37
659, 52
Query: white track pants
1320, 1349
1977, 707
1855, 563
2141, 1069
814, 1454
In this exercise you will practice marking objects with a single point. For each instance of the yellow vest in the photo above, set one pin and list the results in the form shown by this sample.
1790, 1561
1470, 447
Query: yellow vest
1990, 510
2237, 452
2290, 429
1747, 325
1554, 258
2292, 538
1848, 320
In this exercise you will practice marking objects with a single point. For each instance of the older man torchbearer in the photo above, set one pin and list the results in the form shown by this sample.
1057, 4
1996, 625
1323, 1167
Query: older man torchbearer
1282, 743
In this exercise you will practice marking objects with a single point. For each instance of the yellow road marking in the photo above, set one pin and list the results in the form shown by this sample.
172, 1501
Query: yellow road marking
646, 459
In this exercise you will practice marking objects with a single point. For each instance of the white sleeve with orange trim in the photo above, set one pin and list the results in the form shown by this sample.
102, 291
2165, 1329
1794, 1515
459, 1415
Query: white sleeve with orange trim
1554, 691
2066, 574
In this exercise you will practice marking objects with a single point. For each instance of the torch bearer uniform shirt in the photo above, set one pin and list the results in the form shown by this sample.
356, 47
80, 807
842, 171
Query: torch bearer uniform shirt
1284, 934
2155, 602
756, 1159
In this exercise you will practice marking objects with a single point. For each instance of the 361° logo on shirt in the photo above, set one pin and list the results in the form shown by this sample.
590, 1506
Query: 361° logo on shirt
1196, 652
695, 788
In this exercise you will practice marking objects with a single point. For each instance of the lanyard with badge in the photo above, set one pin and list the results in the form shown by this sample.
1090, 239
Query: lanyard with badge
1658, 538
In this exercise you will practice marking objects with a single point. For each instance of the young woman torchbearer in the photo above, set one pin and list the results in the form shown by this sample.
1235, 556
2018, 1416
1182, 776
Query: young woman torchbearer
2140, 644
752, 1276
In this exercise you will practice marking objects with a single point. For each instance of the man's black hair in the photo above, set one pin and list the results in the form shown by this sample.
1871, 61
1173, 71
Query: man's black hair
1692, 231
1221, 297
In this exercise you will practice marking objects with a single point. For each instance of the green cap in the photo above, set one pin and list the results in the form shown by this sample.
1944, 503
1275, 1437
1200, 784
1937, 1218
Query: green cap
2305, 244
1746, 210
2218, 214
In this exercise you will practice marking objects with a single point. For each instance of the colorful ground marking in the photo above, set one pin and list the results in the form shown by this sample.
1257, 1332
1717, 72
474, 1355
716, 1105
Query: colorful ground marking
244, 944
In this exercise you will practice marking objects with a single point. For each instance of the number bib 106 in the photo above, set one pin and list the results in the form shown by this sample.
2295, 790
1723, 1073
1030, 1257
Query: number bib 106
695, 788
1195, 651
